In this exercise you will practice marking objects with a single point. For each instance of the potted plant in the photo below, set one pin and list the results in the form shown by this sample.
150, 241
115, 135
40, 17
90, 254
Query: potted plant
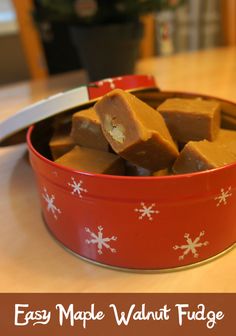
106, 33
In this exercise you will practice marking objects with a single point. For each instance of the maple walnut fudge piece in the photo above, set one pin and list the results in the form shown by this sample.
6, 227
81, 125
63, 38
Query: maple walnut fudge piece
191, 119
135, 130
86, 130
202, 155
162, 172
92, 161
60, 144
227, 139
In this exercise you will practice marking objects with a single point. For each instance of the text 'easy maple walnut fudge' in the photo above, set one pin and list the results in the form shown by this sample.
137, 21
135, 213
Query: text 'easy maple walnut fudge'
191, 119
202, 155
86, 130
136, 131
92, 161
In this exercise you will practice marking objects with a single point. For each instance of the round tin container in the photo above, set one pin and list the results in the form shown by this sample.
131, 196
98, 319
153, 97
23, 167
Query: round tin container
136, 223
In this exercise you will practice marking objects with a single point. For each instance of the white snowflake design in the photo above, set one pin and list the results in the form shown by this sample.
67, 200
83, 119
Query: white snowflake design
222, 198
110, 81
146, 211
50, 203
99, 240
77, 187
191, 245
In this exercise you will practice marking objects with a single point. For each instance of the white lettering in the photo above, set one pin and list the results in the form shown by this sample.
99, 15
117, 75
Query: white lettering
157, 315
122, 318
69, 314
18, 312
41, 316
181, 313
201, 315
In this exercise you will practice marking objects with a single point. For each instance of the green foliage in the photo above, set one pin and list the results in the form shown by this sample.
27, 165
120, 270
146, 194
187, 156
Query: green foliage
106, 11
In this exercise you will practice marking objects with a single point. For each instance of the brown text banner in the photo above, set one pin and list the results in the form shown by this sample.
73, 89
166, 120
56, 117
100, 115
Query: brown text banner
117, 314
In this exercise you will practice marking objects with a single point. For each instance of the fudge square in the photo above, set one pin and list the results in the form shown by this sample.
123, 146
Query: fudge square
92, 161
86, 130
227, 138
136, 131
202, 155
191, 119
60, 143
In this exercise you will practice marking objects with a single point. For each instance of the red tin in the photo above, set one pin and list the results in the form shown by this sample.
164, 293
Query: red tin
139, 223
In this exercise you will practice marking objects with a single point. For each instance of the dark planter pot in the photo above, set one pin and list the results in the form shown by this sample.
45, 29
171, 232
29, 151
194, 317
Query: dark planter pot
60, 52
107, 50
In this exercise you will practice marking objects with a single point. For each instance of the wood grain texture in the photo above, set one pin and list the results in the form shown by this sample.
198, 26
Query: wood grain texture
30, 259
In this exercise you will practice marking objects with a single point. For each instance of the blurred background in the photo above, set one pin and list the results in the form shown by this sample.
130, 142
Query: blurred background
39, 38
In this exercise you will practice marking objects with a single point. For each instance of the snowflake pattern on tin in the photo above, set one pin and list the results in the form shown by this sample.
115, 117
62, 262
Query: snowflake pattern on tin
77, 187
145, 210
191, 246
51, 207
99, 240
223, 196
110, 81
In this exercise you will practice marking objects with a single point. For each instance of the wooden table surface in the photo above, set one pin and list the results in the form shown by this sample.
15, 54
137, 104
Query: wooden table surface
31, 260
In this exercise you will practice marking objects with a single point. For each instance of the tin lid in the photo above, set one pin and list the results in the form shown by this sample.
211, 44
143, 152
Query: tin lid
68, 100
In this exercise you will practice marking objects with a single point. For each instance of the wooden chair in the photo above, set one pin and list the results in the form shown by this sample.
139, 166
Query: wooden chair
30, 39
228, 9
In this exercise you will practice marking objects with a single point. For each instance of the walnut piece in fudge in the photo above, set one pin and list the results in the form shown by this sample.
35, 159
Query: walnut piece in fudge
92, 161
202, 155
86, 130
136, 131
191, 119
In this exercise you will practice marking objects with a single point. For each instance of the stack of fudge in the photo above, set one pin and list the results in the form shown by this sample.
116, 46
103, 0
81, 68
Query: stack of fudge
122, 135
